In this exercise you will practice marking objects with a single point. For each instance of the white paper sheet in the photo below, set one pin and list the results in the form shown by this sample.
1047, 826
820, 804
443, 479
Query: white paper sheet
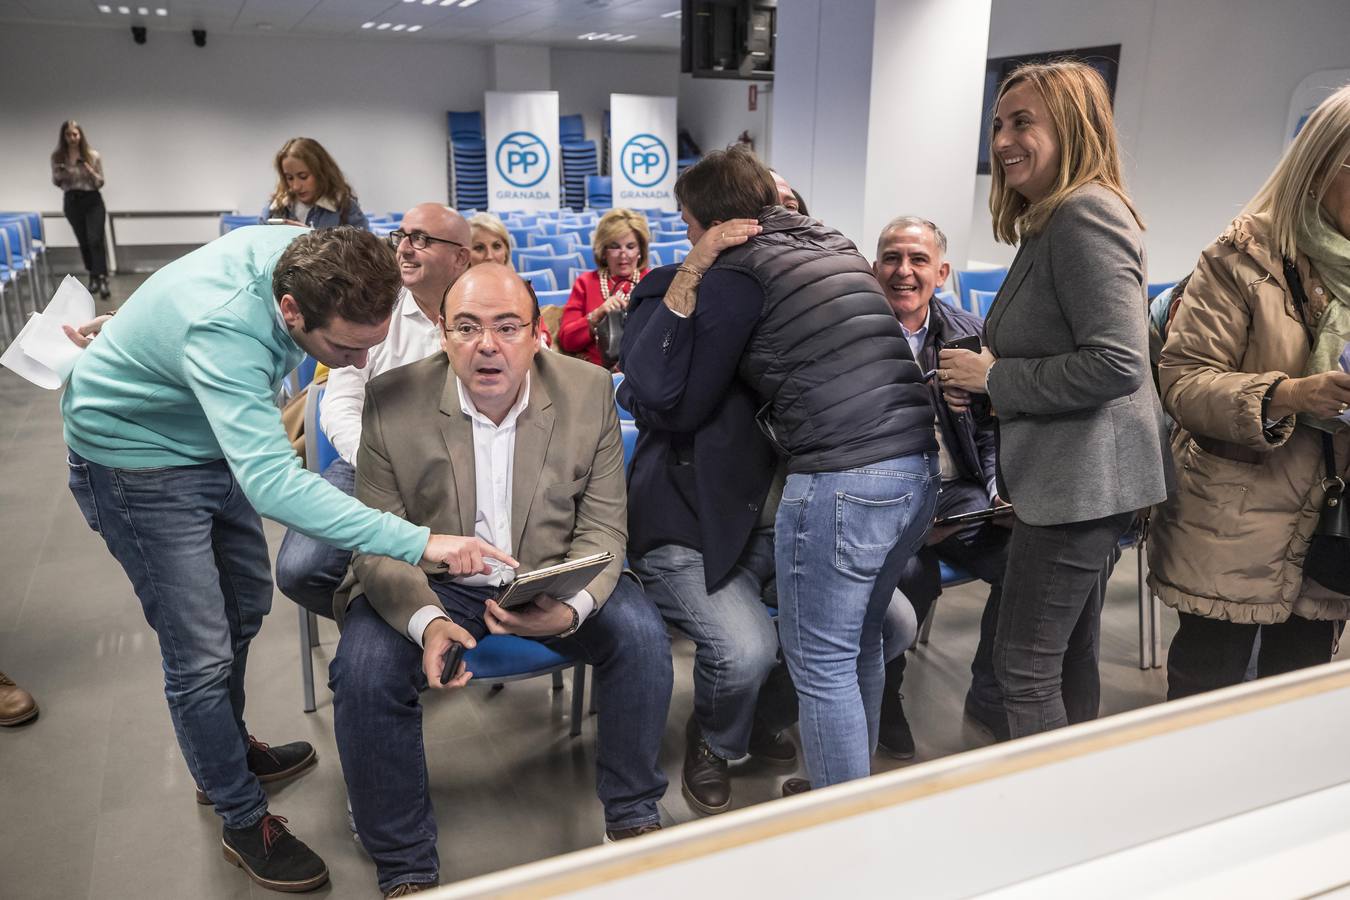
42, 353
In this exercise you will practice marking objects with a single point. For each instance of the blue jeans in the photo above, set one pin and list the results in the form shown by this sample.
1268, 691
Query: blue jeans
377, 677
736, 667
194, 550
841, 541
308, 570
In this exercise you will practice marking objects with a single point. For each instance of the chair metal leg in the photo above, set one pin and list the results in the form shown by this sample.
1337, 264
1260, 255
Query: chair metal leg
313, 629
1145, 615
557, 681
595, 700
307, 643
1155, 618
927, 627
578, 697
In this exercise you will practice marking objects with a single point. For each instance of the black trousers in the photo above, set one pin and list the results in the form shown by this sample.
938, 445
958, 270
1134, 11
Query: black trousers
86, 214
1049, 624
1208, 654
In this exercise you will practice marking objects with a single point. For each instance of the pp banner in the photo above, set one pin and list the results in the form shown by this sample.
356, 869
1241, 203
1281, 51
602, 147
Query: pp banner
642, 145
522, 150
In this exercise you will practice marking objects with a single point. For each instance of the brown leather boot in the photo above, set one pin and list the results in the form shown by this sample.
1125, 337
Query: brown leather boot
16, 705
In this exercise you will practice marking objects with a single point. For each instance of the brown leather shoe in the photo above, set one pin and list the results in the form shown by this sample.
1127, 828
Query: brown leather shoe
16, 705
794, 786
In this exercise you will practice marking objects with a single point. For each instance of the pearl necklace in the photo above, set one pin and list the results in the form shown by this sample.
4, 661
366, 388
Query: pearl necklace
605, 291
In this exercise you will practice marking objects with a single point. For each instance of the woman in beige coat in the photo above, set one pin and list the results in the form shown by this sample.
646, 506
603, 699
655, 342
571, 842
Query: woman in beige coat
1227, 548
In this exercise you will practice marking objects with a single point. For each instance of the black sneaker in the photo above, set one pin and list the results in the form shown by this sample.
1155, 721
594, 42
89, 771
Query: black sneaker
273, 763
273, 857
993, 721
624, 834
705, 781
895, 738
771, 747
794, 786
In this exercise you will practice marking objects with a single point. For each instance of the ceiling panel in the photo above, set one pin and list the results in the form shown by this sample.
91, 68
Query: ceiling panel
555, 22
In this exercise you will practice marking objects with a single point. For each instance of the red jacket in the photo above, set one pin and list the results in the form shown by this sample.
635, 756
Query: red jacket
574, 332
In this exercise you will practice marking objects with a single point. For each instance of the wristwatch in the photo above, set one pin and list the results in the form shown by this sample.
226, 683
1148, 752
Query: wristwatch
576, 623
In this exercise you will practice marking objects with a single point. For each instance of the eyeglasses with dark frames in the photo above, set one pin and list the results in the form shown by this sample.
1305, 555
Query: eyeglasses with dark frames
506, 332
418, 239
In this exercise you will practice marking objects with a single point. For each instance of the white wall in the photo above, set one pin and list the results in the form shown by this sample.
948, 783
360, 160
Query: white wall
184, 128
585, 79
516, 67
1201, 102
716, 111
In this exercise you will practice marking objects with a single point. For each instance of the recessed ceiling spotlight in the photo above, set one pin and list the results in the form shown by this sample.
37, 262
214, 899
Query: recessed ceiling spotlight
465, 4
412, 28
104, 8
673, 14
368, 25
161, 11
449, 2
618, 37
400, 27
382, 26
124, 10
429, 2
626, 37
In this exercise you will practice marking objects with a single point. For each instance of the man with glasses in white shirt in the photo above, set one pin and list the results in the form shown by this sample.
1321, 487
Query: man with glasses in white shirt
520, 448
432, 244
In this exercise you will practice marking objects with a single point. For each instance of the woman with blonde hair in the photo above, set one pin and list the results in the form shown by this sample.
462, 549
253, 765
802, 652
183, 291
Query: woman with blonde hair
489, 240
77, 169
1251, 375
1065, 372
620, 244
311, 190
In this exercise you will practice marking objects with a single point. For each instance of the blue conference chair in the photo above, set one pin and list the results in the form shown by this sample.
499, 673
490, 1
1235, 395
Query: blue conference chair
540, 280
1158, 287
319, 454
624, 415
561, 243
980, 301
552, 298
665, 251
561, 264
629, 432
977, 280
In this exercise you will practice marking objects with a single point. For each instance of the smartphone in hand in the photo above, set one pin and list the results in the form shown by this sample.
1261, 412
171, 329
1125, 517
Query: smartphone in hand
970, 342
454, 655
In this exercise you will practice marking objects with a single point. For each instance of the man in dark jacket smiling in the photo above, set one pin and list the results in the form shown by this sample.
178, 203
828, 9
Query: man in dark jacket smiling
910, 267
840, 396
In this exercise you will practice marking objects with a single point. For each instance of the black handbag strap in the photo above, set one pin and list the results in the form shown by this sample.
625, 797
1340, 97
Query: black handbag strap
1295, 282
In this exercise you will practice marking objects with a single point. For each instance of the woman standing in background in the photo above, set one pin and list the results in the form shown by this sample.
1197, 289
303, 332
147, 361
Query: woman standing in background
77, 169
311, 189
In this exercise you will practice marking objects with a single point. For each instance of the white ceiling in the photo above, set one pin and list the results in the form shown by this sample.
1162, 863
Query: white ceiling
556, 23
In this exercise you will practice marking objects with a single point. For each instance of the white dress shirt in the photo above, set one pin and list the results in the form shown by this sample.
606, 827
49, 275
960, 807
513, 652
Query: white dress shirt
494, 455
412, 336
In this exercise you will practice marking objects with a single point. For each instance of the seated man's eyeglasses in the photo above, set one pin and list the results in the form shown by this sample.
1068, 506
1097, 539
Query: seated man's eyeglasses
507, 332
418, 239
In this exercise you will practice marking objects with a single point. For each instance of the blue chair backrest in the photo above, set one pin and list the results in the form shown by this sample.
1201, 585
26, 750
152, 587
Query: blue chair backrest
552, 298
576, 272
946, 296
521, 236
587, 255
466, 125
584, 232
556, 243
305, 371
319, 451
981, 301
1158, 287
6, 273
16, 249
599, 190
560, 265
978, 280
624, 415
540, 280
571, 128
629, 433
665, 250
33, 219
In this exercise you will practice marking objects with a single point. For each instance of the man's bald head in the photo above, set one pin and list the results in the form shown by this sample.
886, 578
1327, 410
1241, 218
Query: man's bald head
448, 223
492, 282
491, 336
428, 271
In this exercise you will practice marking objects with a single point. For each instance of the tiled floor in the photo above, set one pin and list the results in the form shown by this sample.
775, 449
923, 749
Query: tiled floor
95, 800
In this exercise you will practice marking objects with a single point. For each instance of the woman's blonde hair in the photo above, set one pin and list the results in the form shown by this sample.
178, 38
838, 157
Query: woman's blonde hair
327, 176
1305, 171
1080, 113
488, 222
612, 226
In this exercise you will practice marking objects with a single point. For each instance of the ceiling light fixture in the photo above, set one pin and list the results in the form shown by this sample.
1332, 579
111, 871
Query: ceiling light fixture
104, 8
449, 2
626, 37
161, 11
400, 27
429, 2
142, 11
124, 10
412, 28
383, 25
673, 14
465, 4
368, 25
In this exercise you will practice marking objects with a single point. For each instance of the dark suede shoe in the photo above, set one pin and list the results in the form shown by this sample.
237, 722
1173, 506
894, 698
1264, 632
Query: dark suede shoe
16, 705
624, 834
993, 721
273, 763
794, 786
273, 857
410, 887
705, 781
895, 739
771, 747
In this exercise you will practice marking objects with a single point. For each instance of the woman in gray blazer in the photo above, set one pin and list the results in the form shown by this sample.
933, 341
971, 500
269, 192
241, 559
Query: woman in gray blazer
1065, 373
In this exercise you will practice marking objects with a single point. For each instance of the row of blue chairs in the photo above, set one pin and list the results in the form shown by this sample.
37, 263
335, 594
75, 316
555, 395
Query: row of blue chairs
977, 288
23, 261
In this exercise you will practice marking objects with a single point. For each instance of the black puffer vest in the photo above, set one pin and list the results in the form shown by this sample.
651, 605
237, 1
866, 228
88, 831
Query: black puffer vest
828, 361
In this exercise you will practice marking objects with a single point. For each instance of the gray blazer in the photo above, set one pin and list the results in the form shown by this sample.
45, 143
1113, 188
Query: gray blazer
1081, 432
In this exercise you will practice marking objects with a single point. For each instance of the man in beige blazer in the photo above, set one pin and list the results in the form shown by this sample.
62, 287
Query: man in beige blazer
520, 449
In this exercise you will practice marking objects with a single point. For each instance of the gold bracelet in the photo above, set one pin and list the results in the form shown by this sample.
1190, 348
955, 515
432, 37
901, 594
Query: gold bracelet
698, 276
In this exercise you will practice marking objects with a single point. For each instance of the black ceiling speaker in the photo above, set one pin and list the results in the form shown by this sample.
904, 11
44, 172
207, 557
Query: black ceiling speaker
199, 37
138, 33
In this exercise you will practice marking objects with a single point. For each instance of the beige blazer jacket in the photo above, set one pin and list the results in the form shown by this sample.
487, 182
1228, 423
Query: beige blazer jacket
416, 460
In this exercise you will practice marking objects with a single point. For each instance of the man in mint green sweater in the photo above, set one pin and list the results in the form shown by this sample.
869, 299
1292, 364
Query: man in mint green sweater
176, 448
